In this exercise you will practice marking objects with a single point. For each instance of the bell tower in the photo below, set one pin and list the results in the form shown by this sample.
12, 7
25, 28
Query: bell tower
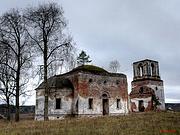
146, 69
147, 87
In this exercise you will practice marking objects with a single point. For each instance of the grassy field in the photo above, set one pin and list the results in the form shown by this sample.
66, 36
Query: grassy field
159, 123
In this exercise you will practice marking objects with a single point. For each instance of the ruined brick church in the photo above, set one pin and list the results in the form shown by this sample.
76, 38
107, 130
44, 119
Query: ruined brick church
92, 91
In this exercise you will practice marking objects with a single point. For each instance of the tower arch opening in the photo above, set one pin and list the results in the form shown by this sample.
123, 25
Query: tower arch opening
152, 69
140, 69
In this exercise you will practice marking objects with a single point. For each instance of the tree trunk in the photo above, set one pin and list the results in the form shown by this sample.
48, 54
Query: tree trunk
17, 97
7, 101
8, 110
18, 83
7, 89
46, 84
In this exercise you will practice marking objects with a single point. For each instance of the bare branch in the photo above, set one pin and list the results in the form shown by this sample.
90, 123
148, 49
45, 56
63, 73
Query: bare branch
34, 39
10, 46
65, 44
8, 66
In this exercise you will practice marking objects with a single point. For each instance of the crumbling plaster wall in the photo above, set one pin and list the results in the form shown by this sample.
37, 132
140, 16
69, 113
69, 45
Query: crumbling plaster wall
159, 92
66, 96
135, 104
156, 85
66, 103
94, 86
39, 108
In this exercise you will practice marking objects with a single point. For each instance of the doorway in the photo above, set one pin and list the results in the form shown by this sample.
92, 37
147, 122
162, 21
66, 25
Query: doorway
141, 106
105, 106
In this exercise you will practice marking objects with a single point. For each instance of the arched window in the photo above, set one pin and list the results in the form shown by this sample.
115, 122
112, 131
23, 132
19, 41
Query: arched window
58, 103
77, 105
152, 69
118, 104
105, 96
90, 101
140, 67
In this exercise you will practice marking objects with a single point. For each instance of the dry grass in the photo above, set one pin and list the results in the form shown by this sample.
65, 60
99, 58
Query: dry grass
133, 124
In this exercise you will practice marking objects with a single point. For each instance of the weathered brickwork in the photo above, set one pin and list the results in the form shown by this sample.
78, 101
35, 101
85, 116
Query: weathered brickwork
95, 86
84, 93
147, 87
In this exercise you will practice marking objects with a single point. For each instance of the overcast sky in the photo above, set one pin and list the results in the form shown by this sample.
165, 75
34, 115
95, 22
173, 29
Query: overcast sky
124, 30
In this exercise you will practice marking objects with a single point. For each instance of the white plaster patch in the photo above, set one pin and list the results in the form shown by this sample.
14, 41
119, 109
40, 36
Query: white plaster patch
136, 101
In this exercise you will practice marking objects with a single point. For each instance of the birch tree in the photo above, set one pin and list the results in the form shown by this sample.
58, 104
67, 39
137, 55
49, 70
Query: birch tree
13, 36
46, 24
7, 77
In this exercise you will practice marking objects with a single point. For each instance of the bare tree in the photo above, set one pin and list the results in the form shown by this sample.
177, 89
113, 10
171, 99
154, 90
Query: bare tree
7, 76
13, 35
46, 24
114, 66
